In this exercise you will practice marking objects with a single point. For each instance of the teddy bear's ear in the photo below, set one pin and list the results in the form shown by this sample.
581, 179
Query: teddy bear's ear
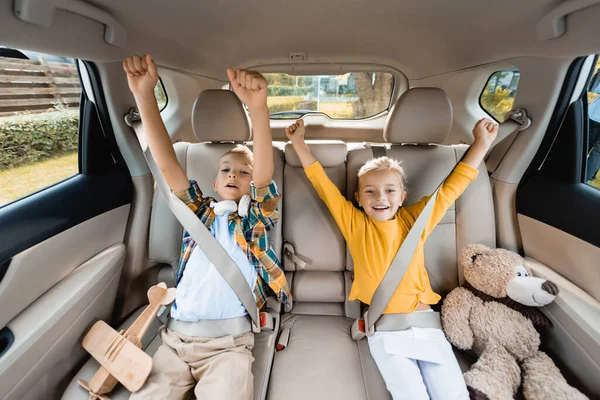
469, 253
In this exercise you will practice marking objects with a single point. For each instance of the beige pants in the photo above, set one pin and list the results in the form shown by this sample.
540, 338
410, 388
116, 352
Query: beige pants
214, 368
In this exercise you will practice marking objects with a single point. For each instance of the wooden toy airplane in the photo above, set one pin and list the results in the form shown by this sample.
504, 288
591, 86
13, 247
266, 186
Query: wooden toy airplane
119, 353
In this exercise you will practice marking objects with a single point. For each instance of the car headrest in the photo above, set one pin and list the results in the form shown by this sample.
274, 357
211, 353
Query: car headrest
219, 116
330, 153
420, 115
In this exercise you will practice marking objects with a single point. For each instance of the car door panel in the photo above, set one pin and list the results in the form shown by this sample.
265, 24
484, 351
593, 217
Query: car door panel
56, 258
42, 215
61, 255
569, 256
51, 328
558, 218
575, 335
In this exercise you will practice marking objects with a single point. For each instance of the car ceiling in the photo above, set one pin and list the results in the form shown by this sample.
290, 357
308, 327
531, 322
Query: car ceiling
421, 38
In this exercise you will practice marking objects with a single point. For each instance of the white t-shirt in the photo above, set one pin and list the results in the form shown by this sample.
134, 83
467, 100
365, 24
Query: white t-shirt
202, 292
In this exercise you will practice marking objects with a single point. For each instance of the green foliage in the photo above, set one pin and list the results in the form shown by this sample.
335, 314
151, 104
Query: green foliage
288, 106
280, 107
281, 79
275, 90
31, 138
497, 103
161, 96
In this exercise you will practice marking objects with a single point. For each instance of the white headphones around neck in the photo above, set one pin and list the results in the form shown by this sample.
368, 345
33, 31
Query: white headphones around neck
229, 206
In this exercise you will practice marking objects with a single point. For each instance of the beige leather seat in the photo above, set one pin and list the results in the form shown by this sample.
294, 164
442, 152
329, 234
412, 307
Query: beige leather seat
218, 117
321, 361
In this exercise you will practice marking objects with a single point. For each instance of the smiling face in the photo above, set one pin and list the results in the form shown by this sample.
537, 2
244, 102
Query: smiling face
234, 176
380, 193
381, 188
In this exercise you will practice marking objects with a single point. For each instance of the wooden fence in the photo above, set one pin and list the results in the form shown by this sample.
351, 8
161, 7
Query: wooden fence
36, 86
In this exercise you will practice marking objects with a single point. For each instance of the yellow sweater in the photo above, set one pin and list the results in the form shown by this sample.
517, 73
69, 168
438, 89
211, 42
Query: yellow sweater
374, 244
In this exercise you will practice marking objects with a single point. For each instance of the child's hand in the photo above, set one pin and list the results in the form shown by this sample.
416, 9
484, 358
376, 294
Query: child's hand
250, 87
485, 132
295, 132
142, 75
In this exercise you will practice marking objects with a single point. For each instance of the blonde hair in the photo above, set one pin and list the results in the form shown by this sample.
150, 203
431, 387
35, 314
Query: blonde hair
241, 149
383, 164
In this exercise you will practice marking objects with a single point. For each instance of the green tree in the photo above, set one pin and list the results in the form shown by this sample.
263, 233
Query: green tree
373, 97
497, 103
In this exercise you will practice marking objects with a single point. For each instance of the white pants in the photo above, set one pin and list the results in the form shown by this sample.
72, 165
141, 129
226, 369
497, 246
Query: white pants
418, 363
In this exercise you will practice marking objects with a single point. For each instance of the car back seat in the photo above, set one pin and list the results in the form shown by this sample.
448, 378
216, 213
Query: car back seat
219, 121
321, 361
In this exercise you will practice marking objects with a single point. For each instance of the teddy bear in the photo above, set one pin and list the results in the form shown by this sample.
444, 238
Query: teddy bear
494, 315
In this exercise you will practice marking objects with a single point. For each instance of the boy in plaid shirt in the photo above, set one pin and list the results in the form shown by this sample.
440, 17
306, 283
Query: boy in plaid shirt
220, 367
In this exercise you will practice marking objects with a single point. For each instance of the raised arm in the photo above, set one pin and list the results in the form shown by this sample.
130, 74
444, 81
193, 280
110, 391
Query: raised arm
485, 132
295, 133
251, 89
142, 77
342, 210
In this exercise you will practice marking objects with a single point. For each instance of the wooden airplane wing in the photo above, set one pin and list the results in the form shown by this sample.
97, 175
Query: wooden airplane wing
121, 358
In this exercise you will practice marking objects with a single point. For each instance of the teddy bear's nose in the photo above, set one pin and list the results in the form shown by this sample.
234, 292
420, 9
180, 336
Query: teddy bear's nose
550, 287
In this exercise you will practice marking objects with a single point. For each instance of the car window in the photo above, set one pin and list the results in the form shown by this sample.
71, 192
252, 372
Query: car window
39, 121
354, 95
161, 95
499, 93
592, 176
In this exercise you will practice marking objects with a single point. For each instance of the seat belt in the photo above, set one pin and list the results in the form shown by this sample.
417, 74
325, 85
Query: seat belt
518, 116
390, 282
216, 254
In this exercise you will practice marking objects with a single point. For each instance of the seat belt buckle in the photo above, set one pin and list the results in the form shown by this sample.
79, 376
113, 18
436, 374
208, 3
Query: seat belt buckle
357, 331
359, 328
284, 338
266, 321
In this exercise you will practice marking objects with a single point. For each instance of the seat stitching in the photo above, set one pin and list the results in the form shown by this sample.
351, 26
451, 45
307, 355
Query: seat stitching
362, 369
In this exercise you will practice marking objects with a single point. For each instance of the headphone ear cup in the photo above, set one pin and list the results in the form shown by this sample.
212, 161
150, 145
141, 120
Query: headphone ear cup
244, 206
224, 206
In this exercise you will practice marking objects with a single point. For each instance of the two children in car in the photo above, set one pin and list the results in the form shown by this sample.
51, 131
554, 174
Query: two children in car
221, 367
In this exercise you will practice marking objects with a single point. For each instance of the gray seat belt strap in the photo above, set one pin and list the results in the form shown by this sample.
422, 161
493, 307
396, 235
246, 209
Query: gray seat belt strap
397, 269
401, 322
217, 255
518, 116
211, 328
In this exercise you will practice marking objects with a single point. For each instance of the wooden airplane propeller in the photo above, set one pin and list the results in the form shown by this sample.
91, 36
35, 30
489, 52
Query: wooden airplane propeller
119, 353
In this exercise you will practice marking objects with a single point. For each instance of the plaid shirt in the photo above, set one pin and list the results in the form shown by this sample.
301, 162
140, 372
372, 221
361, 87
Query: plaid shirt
251, 233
